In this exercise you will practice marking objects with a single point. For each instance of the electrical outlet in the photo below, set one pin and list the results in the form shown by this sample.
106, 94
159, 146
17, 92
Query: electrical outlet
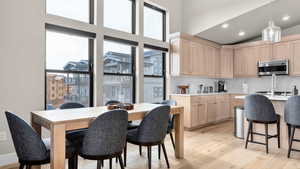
3, 136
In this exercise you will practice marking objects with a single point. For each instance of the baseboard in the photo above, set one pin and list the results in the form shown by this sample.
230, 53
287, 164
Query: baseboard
7, 159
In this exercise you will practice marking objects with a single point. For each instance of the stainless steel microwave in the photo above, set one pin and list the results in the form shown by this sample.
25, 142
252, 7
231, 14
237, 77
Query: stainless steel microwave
277, 67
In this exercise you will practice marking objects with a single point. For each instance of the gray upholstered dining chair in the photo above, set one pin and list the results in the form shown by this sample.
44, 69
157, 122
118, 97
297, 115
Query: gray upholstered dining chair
292, 119
30, 148
151, 132
259, 109
106, 138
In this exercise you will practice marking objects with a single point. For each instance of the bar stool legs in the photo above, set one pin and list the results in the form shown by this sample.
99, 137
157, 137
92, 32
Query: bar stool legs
250, 134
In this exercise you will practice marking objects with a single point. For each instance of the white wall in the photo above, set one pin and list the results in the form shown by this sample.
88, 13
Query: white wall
21, 61
22, 58
199, 15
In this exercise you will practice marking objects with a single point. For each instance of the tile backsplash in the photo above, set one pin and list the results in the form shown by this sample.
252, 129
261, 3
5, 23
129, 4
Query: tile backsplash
283, 83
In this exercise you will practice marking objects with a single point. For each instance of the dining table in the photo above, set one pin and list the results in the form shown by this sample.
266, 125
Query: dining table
59, 121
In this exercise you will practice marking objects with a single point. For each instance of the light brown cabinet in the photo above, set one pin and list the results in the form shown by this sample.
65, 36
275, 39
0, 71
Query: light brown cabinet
197, 58
226, 63
264, 52
203, 110
281, 51
295, 58
245, 62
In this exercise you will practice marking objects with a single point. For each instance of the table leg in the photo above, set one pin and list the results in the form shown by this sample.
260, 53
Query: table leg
38, 129
179, 135
57, 157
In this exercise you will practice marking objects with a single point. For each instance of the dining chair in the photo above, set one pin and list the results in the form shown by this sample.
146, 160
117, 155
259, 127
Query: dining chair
130, 124
30, 148
106, 138
151, 132
259, 109
170, 124
292, 119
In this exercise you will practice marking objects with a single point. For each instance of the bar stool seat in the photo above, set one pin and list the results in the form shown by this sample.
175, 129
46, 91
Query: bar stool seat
259, 109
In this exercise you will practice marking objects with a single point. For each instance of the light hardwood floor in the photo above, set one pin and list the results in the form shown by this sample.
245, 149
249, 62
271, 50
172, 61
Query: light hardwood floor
211, 148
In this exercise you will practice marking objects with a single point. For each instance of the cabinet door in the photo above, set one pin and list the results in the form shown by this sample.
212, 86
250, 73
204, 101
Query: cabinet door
226, 63
223, 108
185, 57
295, 60
281, 51
198, 59
240, 63
210, 58
211, 108
264, 52
250, 62
202, 116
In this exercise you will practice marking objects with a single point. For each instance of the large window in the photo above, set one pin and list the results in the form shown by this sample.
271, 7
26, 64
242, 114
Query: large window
120, 15
154, 74
74, 9
119, 76
69, 71
154, 22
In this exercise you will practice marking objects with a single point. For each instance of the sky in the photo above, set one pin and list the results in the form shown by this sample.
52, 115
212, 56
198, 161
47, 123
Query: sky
62, 48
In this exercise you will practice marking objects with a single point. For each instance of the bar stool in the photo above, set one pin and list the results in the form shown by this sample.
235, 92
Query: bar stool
259, 109
292, 119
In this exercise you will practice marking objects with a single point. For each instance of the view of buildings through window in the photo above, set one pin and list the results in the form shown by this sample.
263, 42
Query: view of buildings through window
68, 78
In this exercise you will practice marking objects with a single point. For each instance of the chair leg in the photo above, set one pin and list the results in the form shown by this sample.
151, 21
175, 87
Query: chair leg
121, 162
141, 151
149, 156
172, 139
248, 134
266, 138
278, 133
291, 142
28, 166
21, 166
110, 163
125, 154
159, 151
251, 132
73, 162
165, 154
289, 131
99, 164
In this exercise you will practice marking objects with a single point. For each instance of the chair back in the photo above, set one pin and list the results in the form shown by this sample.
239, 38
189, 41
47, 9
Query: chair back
153, 127
259, 108
292, 111
28, 144
71, 105
106, 135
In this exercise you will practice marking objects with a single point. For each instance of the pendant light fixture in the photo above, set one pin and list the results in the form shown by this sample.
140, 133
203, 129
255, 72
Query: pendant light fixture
272, 33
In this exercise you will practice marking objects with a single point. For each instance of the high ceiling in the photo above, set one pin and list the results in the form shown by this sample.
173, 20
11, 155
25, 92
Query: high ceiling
253, 22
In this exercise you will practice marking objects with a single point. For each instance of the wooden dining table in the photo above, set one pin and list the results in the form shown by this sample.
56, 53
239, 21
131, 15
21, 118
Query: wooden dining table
59, 121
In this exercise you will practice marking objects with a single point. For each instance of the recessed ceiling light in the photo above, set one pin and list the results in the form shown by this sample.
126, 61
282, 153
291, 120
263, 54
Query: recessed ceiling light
242, 33
286, 18
225, 25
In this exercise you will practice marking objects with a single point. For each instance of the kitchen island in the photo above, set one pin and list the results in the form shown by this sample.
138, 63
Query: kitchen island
279, 103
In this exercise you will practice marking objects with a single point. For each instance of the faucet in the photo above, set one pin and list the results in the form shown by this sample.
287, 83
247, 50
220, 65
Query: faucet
273, 85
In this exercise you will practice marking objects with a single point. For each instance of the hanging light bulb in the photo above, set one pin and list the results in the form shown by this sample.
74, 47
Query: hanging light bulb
272, 33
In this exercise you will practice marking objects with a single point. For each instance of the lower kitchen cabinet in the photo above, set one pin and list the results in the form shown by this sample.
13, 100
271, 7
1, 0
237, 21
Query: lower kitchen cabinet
202, 110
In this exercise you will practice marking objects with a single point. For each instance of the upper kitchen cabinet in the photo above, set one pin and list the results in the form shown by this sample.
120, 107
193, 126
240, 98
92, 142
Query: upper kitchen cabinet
239, 62
245, 61
226, 62
295, 58
264, 52
281, 51
194, 56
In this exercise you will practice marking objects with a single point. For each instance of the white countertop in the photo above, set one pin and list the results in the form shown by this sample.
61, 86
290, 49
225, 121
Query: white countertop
274, 98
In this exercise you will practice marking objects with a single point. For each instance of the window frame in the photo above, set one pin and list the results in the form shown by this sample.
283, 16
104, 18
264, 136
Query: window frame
91, 37
164, 72
133, 45
164, 19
